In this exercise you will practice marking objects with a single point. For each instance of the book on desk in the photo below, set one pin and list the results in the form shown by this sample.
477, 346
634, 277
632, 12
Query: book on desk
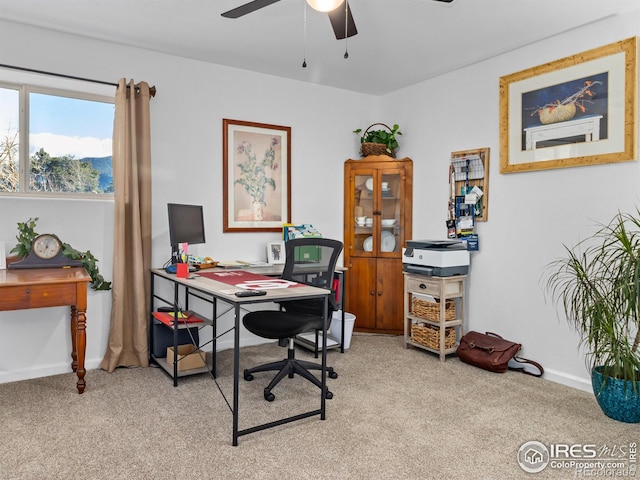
183, 317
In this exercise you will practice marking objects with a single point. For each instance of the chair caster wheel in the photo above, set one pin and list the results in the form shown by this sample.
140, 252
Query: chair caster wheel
328, 395
247, 376
268, 396
333, 374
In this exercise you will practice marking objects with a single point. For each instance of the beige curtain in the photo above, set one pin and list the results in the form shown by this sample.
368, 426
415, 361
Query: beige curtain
128, 335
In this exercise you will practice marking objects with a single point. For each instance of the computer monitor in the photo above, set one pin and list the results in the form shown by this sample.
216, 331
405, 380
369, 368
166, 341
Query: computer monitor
186, 225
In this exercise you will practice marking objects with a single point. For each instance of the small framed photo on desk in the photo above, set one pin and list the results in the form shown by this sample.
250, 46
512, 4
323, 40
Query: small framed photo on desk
275, 253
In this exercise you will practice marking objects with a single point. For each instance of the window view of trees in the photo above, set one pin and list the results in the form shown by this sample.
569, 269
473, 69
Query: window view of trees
61, 174
52, 174
69, 141
9, 165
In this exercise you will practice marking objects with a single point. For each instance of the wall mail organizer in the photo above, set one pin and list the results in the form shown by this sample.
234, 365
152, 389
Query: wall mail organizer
468, 191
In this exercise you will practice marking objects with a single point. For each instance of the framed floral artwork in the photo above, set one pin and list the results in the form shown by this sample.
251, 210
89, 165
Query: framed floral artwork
256, 191
579, 110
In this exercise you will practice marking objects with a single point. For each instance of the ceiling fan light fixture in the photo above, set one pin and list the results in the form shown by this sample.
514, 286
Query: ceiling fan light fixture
324, 5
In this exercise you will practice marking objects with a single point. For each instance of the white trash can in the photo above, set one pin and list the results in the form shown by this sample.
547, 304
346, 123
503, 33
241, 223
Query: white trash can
336, 327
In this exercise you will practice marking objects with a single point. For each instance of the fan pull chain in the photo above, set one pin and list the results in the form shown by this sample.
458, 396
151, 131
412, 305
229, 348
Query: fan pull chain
346, 38
304, 56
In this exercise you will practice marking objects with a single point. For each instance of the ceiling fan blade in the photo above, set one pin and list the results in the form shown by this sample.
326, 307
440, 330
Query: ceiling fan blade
445, 1
337, 18
248, 8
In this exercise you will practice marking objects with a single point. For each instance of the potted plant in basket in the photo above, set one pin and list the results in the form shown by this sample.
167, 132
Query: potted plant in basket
379, 142
598, 286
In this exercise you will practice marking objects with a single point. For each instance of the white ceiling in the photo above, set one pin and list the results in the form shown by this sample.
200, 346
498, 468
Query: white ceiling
399, 42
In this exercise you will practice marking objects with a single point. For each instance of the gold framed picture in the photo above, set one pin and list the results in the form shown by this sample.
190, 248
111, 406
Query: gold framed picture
256, 192
579, 110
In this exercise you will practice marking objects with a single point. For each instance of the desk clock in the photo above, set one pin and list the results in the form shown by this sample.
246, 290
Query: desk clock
46, 252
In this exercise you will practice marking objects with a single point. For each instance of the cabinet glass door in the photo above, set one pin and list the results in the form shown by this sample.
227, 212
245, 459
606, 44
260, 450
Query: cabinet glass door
390, 208
363, 213
377, 213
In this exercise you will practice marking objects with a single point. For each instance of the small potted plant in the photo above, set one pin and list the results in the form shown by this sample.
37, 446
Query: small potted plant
598, 286
379, 142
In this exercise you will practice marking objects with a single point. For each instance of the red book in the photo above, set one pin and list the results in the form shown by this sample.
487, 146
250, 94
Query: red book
167, 318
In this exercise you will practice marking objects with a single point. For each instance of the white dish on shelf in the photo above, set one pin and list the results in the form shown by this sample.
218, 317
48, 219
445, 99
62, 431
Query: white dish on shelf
367, 245
388, 222
388, 242
369, 184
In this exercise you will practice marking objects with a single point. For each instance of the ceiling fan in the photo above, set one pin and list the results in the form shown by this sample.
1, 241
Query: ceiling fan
339, 15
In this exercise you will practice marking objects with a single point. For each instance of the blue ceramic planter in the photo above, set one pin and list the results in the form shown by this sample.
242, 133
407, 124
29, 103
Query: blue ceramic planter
617, 398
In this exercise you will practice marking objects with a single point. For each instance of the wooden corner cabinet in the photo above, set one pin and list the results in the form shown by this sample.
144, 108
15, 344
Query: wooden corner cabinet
378, 193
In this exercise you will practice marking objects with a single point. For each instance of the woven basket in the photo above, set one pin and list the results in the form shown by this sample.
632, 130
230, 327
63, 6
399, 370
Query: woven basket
559, 113
368, 148
431, 310
429, 336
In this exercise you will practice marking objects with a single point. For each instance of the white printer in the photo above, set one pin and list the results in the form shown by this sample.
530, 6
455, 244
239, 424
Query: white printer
438, 258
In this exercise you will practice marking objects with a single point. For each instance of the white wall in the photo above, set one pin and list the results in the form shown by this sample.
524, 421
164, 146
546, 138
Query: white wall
186, 120
530, 214
37, 343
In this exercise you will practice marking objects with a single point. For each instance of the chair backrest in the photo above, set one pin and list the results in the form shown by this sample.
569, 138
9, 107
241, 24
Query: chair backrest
311, 261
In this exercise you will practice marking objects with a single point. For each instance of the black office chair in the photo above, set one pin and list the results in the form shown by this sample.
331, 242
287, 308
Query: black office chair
311, 261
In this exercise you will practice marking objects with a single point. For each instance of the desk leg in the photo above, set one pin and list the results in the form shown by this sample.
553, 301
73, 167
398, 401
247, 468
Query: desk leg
236, 372
236, 379
79, 345
323, 376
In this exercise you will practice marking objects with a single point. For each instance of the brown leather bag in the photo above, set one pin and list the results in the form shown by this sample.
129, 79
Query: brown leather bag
490, 351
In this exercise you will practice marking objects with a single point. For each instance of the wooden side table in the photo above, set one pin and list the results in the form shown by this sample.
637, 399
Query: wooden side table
437, 329
52, 287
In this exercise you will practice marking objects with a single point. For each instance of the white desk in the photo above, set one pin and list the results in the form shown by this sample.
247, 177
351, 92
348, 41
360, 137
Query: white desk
589, 126
216, 290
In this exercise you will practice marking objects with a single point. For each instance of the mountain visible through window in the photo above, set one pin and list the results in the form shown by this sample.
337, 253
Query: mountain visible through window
67, 148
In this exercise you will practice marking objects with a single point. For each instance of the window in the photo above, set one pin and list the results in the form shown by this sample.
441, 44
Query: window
55, 141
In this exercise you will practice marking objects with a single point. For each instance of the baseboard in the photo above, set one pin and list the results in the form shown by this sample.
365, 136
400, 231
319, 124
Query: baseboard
572, 381
92, 364
45, 371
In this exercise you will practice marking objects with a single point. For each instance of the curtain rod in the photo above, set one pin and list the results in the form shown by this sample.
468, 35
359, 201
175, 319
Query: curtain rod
152, 90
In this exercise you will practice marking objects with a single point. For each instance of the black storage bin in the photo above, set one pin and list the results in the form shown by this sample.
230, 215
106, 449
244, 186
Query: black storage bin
163, 338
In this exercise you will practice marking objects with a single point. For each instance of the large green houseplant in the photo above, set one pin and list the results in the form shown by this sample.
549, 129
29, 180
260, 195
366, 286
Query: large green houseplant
598, 286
